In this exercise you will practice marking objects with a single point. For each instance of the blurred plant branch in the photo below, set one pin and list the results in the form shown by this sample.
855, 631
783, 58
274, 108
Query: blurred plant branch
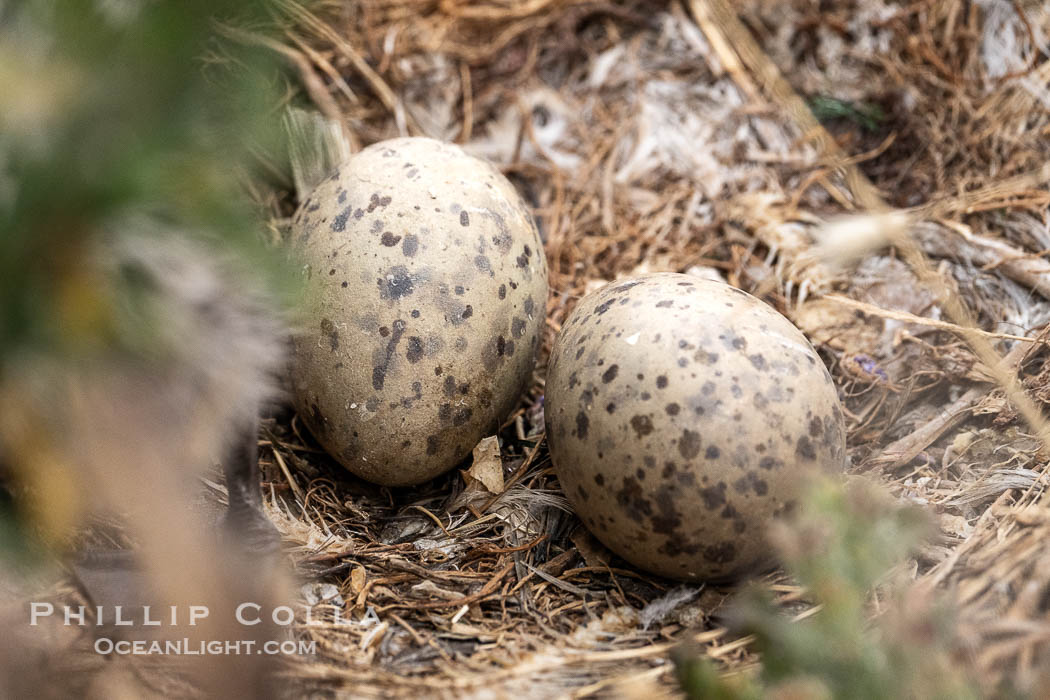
108, 110
840, 548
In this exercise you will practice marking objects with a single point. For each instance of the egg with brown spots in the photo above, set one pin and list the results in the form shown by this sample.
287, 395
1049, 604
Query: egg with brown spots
682, 414
428, 285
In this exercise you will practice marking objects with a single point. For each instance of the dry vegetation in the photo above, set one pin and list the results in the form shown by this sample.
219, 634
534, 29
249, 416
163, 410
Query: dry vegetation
680, 136
676, 136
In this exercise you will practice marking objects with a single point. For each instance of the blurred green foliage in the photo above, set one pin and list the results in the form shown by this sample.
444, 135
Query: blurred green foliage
118, 111
840, 548
113, 107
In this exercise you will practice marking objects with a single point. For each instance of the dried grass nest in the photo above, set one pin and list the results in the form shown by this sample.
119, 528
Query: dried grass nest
681, 136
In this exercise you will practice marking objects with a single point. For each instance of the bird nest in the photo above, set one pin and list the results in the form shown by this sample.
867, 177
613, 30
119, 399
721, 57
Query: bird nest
722, 141
719, 141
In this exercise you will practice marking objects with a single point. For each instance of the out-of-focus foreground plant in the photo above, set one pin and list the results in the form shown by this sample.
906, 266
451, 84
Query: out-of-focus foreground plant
111, 109
843, 546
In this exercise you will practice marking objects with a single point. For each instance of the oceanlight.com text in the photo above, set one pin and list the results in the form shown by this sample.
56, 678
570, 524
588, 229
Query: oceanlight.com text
188, 647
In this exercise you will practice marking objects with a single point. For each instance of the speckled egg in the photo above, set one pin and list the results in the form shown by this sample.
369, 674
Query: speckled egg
682, 414
430, 287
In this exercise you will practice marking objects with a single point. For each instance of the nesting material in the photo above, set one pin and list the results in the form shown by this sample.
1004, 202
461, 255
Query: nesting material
639, 136
643, 138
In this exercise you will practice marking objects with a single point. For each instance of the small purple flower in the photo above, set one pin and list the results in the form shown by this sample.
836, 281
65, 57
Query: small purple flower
870, 367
